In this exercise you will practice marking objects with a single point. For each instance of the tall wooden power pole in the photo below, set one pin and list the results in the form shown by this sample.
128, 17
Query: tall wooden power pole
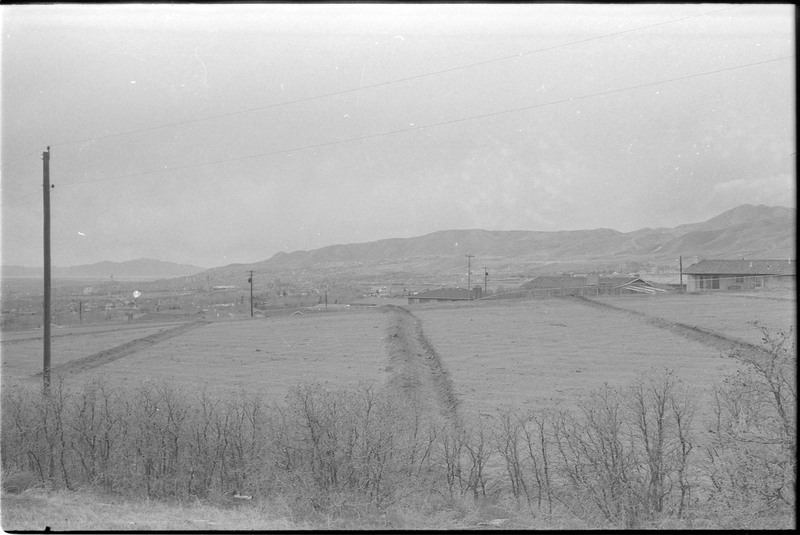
250, 280
469, 274
46, 336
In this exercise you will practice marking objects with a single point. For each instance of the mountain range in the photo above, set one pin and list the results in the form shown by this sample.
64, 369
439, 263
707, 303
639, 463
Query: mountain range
144, 268
750, 231
747, 231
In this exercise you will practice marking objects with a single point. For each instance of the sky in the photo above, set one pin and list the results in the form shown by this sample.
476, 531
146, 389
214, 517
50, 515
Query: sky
212, 135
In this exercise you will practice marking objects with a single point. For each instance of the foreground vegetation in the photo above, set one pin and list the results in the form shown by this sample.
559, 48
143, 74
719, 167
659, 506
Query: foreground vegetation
371, 457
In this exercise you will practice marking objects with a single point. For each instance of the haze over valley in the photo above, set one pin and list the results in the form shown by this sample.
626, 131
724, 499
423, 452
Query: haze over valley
400, 265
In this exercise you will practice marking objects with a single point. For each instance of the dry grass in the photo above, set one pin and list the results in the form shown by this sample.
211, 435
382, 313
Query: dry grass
22, 351
523, 353
81, 511
526, 353
85, 511
726, 314
267, 355
531, 353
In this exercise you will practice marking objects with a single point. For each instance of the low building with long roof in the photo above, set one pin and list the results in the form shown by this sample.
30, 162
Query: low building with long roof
741, 275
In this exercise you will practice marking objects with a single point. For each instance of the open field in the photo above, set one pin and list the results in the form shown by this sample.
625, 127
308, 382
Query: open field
459, 359
726, 314
265, 355
21, 351
519, 352
531, 353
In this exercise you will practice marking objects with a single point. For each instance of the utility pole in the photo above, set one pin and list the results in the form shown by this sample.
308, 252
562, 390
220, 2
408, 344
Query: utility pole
250, 280
469, 273
485, 278
680, 267
46, 336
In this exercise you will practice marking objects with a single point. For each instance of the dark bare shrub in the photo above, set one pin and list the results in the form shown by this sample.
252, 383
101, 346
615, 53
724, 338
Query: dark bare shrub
479, 454
523, 442
365, 444
663, 439
21, 438
596, 455
95, 432
627, 451
450, 442
751, 459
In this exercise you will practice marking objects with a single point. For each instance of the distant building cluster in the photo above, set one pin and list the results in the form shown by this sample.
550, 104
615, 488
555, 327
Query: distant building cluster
701, 276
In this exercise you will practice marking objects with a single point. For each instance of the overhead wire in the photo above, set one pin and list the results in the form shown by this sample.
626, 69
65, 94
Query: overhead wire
32, 193
433, 125
389, 82
7, 162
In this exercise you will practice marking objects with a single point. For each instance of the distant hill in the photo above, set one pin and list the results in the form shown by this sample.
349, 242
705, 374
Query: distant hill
753, 231
144, 268
746, 231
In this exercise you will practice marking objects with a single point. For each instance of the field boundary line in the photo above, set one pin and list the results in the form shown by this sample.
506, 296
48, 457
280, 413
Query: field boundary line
764, 297
692, 332
106, 356
109, 329
417, 368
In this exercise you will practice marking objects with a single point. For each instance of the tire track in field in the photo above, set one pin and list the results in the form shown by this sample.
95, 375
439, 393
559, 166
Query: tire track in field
99, 330
416, 368
725, 344
106, 356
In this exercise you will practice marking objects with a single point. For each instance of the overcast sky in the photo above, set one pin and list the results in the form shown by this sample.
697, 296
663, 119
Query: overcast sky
212, 135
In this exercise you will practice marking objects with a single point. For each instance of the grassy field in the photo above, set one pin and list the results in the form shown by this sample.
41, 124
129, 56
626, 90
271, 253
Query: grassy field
522, 353
726, 314
267, 355
87, 511
518, 352
531, 353
84, 511
21, 351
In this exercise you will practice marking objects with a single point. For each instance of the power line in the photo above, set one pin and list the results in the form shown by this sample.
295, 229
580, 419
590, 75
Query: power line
7, 162
432, 125
389, 82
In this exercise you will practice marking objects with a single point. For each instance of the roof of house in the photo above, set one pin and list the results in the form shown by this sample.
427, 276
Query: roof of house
566, 282
623, 281
743, 267
552, 282
443, 293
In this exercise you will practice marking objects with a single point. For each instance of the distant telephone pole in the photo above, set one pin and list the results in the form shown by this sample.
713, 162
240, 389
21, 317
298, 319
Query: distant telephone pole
680, 267
469, 274
250, 280
46, 336
485, 279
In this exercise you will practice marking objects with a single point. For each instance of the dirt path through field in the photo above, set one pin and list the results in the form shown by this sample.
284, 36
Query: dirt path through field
123, 350
724, 344
416, 369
